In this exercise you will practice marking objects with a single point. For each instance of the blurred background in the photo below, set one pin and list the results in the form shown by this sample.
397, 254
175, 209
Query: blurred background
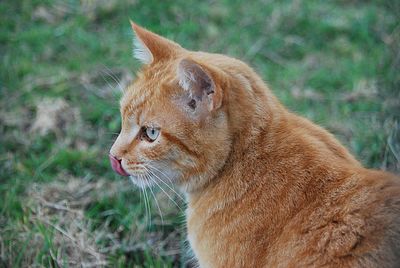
62, 64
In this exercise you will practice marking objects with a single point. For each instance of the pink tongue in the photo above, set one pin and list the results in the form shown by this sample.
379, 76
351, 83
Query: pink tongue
116, 166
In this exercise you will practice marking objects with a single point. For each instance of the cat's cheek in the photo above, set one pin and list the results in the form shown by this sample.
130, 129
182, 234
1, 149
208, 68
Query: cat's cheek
153, 151
169, 174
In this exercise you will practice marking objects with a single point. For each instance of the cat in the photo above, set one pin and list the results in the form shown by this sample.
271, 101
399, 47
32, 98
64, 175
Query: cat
265, 187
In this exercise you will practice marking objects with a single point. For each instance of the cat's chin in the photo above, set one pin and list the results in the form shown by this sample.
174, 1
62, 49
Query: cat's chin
141, 181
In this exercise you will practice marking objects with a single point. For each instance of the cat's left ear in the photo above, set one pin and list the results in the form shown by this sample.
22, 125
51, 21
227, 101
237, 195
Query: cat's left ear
200, 82
150, 47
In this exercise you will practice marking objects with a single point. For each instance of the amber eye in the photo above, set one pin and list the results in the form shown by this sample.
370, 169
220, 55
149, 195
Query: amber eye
151, 133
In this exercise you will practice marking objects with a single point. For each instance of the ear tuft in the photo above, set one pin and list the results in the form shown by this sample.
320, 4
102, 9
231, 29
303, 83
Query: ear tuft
194, 79
186, 77
141, 52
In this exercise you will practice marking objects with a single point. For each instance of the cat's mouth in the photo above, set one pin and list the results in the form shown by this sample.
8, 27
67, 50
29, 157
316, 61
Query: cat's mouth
117, 166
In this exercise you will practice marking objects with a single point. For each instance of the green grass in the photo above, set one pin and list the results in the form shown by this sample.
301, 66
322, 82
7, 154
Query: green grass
335, 62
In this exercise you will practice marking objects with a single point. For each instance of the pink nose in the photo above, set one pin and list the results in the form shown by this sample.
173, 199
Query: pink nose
116, 165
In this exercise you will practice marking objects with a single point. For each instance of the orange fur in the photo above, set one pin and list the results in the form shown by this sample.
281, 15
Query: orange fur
265, 187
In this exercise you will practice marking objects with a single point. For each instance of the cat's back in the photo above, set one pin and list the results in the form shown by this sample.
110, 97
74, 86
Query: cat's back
354, 223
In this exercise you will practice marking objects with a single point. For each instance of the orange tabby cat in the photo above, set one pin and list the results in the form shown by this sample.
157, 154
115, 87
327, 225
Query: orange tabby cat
265, 187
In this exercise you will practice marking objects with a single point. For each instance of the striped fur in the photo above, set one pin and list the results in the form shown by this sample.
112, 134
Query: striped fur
265, 187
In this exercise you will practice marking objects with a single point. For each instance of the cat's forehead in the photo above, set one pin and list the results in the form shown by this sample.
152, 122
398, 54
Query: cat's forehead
146, 97
136, 102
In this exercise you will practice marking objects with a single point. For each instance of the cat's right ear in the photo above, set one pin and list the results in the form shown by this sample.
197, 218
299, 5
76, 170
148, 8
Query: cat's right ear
199, 82
150, 47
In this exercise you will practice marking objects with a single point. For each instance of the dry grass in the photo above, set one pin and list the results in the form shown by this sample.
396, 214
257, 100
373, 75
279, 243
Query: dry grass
73, 239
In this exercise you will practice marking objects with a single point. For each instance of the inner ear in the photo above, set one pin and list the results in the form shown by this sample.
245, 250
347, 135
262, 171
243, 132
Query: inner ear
194, 79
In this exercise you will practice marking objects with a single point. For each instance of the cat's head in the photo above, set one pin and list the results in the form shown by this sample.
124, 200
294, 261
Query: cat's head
174, 122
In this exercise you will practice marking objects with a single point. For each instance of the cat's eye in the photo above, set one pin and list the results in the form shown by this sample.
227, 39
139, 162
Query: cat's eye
151, 133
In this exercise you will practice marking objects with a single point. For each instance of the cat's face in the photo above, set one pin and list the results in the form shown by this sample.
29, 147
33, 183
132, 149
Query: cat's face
174, 127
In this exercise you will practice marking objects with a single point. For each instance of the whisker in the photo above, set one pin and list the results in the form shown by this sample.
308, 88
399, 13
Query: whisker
158, 207
147, 203
144, 202
115, 78
151, 167
162, 173
155, 181
108, 83
148, 207
140, 193
109, 72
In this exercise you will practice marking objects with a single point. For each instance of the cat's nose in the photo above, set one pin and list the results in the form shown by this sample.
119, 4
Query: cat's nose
117, 166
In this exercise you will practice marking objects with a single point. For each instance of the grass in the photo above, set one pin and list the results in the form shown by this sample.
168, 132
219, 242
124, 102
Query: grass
335, 62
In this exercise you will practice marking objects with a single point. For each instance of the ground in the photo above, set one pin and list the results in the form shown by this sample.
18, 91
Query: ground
63, 62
